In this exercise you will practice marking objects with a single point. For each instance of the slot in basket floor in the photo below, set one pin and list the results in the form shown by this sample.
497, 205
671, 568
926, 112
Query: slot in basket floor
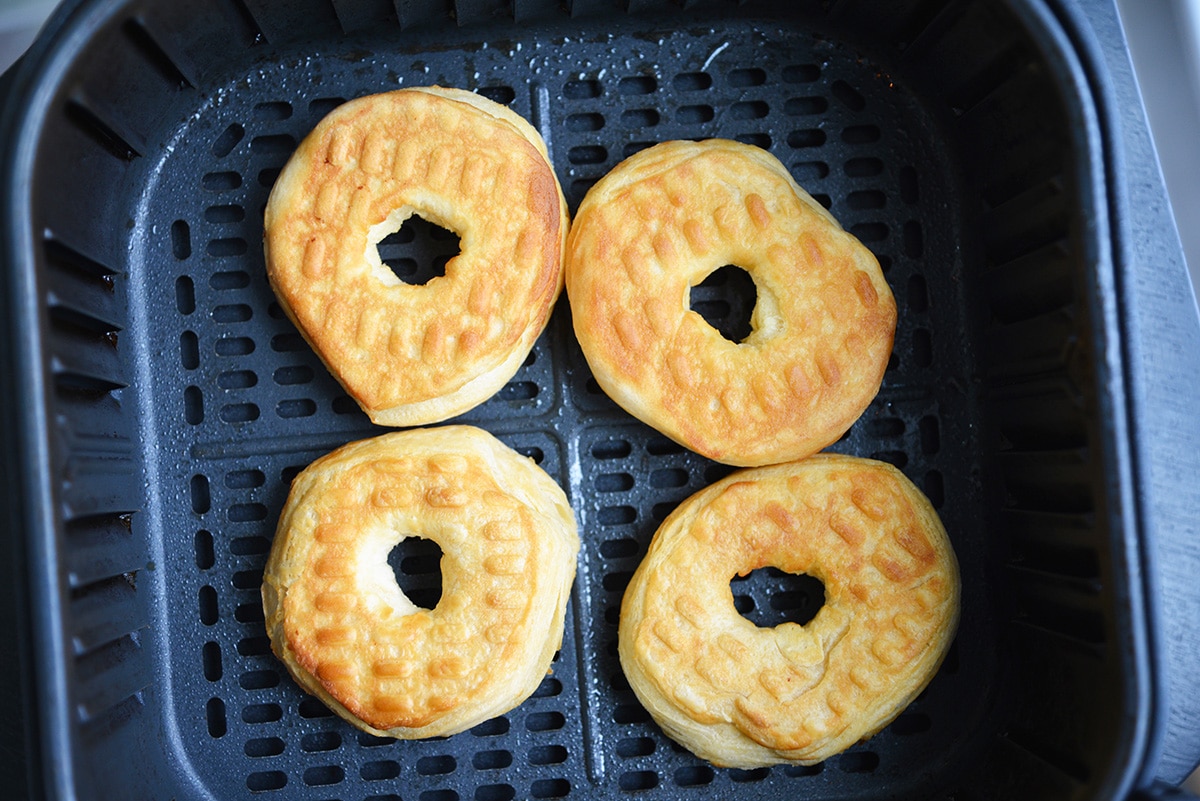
235, 403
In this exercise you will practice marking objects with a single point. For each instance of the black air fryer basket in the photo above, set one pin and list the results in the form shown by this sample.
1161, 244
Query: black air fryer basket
993, 155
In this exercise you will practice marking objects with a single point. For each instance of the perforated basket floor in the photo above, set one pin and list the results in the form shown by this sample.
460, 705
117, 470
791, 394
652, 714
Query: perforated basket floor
241, 404
186, 402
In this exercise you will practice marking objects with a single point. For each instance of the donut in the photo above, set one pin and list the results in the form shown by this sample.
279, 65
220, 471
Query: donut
347, 633
821, 328
417, 354
745, 696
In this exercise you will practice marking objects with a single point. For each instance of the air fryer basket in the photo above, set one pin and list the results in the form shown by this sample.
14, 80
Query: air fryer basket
177, 401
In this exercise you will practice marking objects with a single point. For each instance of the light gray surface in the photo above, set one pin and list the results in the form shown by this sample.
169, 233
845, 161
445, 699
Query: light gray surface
1164, 42
19, 24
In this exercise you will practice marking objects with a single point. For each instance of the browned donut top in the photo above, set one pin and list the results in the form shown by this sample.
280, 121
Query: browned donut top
338, 619
459, 161
798, 693
657, 225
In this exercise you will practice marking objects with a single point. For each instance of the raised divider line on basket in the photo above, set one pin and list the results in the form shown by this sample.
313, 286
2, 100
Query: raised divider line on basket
256, 446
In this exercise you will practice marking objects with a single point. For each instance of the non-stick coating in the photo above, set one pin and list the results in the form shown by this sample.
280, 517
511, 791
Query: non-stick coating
240, 404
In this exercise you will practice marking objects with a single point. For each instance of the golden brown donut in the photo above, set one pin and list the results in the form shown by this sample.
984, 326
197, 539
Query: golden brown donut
411, 355
349, 635
743, 696
822, 327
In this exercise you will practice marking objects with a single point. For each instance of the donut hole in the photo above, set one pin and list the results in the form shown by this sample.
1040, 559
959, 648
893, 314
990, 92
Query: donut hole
726, 299
769, 597
417, 565
416, 250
